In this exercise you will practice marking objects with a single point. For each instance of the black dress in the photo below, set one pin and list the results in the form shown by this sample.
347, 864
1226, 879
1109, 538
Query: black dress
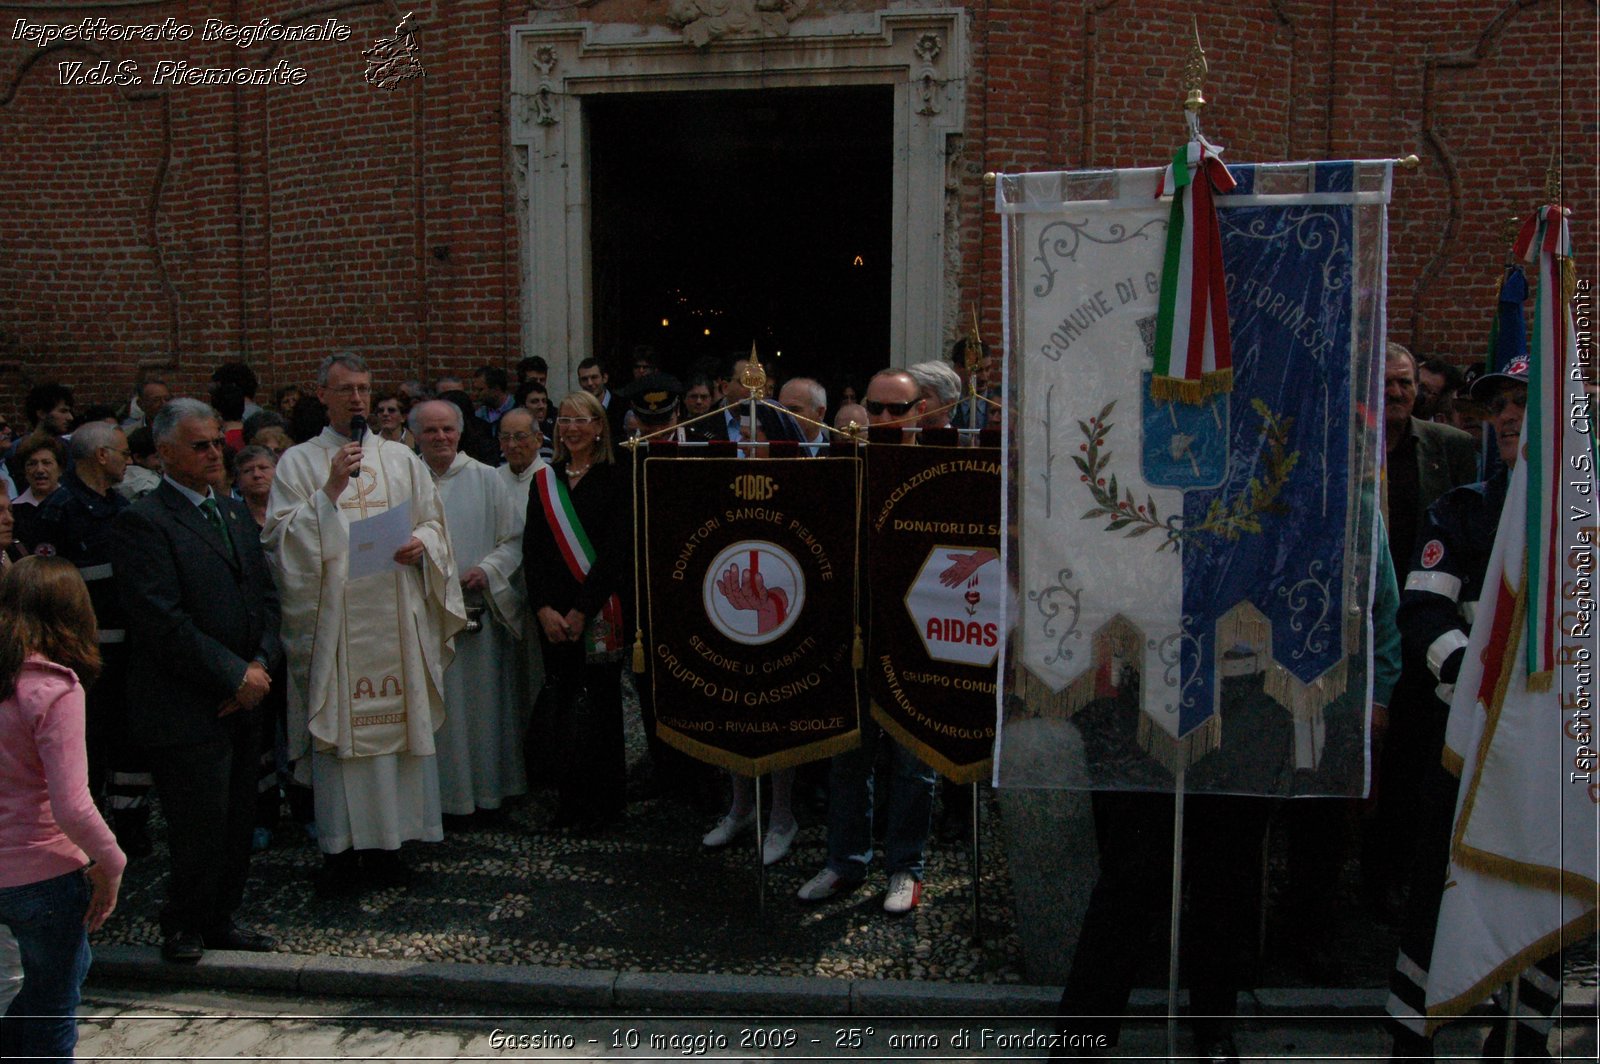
583, 698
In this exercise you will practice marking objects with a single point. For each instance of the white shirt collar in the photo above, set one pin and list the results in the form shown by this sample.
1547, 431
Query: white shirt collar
189, 493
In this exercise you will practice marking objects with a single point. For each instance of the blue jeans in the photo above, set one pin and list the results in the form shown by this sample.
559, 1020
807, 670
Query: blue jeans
910, 813
47, 920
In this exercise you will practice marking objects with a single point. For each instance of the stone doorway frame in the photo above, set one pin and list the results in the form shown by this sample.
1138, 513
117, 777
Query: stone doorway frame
921, 53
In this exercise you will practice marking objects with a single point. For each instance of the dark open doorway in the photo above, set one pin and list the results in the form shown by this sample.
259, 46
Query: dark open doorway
719, 218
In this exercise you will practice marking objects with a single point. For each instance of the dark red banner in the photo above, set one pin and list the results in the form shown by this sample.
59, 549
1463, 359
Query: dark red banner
933, 549
751, 582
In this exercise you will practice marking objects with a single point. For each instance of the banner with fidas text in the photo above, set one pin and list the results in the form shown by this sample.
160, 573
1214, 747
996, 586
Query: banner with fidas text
751, 587
933, 548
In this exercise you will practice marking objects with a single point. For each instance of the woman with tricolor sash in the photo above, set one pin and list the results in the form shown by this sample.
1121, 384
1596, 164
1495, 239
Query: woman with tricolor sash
576, 560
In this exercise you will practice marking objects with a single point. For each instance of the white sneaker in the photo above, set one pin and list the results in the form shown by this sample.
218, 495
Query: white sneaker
775, 847
825, 884
728, 828
905, 890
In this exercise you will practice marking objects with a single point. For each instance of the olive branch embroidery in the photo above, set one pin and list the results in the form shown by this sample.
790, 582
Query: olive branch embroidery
1240, 515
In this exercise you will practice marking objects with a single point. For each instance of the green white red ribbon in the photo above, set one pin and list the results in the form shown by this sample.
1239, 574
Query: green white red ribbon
603, 633
1193, 354
1548, 442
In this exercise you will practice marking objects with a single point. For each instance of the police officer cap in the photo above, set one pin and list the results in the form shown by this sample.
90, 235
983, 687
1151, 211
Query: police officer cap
654, 397
1516, 372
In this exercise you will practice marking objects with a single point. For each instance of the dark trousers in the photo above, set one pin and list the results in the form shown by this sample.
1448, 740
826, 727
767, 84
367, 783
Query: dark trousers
208, 796
1129, 909
675, 771
583, 701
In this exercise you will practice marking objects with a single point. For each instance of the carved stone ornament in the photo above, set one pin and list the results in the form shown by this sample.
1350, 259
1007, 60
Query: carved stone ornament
704, 21
930, 87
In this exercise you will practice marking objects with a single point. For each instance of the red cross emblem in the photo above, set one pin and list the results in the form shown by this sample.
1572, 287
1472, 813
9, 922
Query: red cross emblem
1432, 554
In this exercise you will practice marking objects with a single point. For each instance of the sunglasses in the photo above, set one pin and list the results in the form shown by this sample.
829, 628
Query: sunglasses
897, 409
1498, 404
202, 446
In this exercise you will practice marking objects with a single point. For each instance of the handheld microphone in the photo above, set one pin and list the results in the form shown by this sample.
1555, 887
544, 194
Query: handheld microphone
358, 428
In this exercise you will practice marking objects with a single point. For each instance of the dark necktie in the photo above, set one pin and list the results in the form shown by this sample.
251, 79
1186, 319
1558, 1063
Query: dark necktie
214, 515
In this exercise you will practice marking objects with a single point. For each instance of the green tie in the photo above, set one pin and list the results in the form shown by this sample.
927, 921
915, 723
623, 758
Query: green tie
214, 515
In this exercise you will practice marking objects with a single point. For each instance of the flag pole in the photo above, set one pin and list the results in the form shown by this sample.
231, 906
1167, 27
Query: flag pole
977, 910
761, 850
1177, 913
1511, 1021
1194, 71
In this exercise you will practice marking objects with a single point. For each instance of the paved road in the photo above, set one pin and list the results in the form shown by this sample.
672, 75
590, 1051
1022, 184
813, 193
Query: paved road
179, 1025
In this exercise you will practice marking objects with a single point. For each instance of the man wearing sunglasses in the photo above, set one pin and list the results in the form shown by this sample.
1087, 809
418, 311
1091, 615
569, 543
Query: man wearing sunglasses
893, 398
1437, 605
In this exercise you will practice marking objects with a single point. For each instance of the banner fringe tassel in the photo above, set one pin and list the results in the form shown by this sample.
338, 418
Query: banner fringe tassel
638, 651
1188, 390
1540, 682
858, 653
1173, 754
1299, 697
1056, 705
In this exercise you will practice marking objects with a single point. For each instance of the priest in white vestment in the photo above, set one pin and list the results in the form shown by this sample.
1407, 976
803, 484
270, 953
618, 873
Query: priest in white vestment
480, 745
367, 656
521, 440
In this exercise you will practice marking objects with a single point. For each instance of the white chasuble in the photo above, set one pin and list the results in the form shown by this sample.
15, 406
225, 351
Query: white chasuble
517, 486
366, 657
480, 744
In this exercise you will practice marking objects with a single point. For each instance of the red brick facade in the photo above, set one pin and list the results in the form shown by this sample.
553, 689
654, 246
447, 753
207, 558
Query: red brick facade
178, 226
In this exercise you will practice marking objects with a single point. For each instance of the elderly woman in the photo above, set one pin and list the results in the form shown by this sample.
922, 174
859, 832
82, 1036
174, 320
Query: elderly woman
576, 552
253, 469
390, 412
43, 461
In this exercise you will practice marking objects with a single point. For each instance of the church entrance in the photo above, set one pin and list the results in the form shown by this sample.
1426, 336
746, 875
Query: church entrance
724, 217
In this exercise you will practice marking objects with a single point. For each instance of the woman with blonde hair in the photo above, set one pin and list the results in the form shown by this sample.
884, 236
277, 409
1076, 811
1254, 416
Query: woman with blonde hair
51, 896
577, 559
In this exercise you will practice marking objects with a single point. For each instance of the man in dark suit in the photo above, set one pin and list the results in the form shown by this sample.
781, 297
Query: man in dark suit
1423, 461
202, 619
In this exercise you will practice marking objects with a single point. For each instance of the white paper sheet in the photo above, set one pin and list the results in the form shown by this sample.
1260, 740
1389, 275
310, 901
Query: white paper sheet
374, 540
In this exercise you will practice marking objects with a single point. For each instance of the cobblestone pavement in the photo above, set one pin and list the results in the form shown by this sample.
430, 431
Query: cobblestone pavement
189, 1025
646, 896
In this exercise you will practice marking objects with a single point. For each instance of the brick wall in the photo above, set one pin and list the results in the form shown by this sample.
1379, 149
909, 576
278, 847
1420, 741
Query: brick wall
180, 226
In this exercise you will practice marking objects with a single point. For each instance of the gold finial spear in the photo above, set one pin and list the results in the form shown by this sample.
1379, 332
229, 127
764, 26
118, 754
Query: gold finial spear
1552, 180
974, 354
1195, 69
754, 377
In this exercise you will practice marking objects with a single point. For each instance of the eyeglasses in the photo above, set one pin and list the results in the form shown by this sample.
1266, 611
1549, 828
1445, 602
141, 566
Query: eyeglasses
1498, 404
345, 391
515, 437
897, 409
126, 453
564, 420
202, 446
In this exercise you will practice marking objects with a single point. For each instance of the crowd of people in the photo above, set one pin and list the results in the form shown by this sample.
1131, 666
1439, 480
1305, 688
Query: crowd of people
386, 611
393, 609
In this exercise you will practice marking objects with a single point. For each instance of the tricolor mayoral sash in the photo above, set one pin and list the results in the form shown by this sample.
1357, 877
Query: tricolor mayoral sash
751, 588
933, 549
1193, 557
602, 636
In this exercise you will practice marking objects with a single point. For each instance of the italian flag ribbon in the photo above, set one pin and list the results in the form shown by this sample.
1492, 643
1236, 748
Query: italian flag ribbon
1193, 355
1549, 443
603, 636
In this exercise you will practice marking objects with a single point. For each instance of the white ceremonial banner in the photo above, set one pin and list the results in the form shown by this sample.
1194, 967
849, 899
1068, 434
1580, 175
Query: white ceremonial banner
1192, 572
